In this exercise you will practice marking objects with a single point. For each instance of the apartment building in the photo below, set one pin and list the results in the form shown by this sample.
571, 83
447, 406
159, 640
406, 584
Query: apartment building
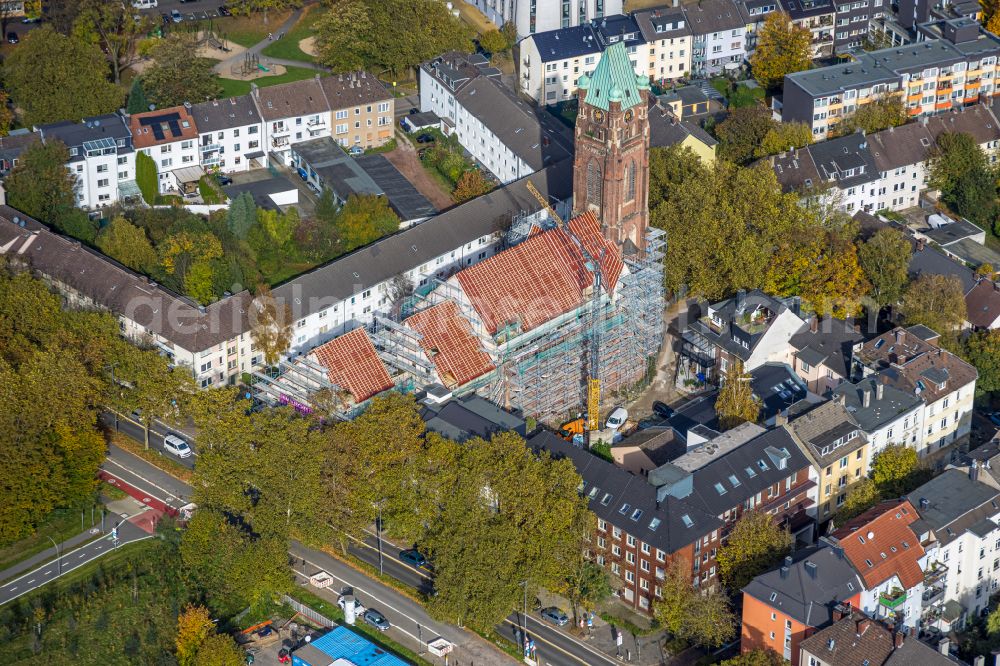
230, 134
837, 449
534, 16
718, 37
784, 606
550, 63
668, 43
755, 12
170, 138
816, 16
362, 110
910, 360
935, 75
502, 132
101, 156
295, 112
821, 352
886, 414
853, 18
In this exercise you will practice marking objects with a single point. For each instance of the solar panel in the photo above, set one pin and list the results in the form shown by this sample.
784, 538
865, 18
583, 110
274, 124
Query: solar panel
158, 132
98, 144
175, 129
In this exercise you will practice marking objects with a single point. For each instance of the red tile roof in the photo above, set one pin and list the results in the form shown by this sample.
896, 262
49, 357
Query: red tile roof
352, 363
541, 278
172, 124
449, 341
983, 304
880, 544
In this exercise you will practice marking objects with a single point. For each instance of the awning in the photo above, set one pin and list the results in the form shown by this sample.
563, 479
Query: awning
952, 611
128, 189
256, 155
191, 174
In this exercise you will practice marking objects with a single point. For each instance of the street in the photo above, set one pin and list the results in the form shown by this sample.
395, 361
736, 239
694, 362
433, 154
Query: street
134, 429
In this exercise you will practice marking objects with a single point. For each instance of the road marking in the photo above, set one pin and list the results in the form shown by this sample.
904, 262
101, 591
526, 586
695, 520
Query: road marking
390, 557
81, 554
46, 573
571, 656
142, 478
12, 588
30, 581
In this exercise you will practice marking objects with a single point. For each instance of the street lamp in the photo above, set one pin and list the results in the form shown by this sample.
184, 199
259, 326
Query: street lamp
58, 560
524, 616
378, 533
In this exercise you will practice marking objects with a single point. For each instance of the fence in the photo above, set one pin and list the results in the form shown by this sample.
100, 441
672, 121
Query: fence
308, 612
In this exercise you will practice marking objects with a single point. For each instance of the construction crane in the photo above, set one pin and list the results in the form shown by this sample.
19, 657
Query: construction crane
594, 341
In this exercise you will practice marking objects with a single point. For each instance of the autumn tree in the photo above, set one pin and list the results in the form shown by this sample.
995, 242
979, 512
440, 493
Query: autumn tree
247, 7
6, 113
961, 170
736, 403
755, 544
862, 496
782, 137
985, 270
993, 619
116, 28
671, 610
53, 77
875, 116
588, 584
194, 625
126, 243
471, 185
363, 219
937, 302
743, 132
703, 619
270, 324
494, 42
822, 268
757, 657
885, 259
177, 74
896, 470
782, 48
983, 351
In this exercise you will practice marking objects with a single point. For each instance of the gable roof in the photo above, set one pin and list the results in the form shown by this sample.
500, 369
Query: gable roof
710, 16
952, 502
352, 89
222, 114
298, 98
829, 345
880, 544
662, 23
851, 641
880, 411
154, 128
614, 80
931, 375
926, 260
983, 304
828, 431
564, 43
540, 278
353, 364
448, 340
837, 157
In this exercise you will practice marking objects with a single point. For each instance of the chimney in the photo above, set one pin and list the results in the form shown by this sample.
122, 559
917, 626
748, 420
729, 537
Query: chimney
944, 646
811, 569
979, 661
899, 639
974, 471
863, 625
784, 573
814, 324
839, 611
842, 398
880, 389
780, 419
899, 333
866, 398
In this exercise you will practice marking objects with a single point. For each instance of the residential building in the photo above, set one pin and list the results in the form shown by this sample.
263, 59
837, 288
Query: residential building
816, 16
299, 111
935, 75
750, 327
101, 156
667, 130
503, 133
983, 305
230, 134
534, 16
784, 606
668, 43
462, 418
755, 12
550, 63
959, 529
718, 37
684, 102
837, 449
780, 392
887, 555
359, 101
886, 414
170, 138
911, 360
821, 352
11, 147
853, 19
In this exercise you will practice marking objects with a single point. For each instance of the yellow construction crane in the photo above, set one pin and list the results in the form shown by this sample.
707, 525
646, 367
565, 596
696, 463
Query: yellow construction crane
593, 374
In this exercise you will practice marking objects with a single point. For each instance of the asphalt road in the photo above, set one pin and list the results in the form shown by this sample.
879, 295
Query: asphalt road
66, 562
133, 429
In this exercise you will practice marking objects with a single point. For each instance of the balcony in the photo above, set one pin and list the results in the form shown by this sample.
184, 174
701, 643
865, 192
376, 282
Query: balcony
932, 595
277, 142
316, 122
211, 160
210, 147
280, 130
894, 599
935, 573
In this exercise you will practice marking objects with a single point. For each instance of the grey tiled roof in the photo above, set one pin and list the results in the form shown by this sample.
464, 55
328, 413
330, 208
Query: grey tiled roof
222, 114
894, 402
952, 502
829, 345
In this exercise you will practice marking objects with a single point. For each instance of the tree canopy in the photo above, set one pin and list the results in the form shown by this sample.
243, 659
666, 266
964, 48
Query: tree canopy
53, 77
896, 470
755, 544
875, 116
961, 170
983, 351
686, 613
782, 48
177, 74
885, 259
736, 403
937, 302
116, 28
124, 242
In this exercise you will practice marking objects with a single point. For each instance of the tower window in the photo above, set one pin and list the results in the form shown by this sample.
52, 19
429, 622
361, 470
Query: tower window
594, 183
630, 184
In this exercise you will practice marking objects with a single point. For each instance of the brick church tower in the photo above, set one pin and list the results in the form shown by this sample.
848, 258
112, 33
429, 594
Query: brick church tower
611, 166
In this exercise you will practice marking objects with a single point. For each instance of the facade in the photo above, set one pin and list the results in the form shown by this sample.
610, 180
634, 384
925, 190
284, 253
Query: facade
534, 16
821, 353
886, 414
550, 63
361, 110
816, 16
101, 156
170, 138
296, 112
718, 37
956, 69
853, 19
668, 43
230, 134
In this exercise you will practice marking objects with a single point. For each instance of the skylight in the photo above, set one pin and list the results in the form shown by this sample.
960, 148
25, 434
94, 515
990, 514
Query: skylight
653, 524
625, 508
606, 500
687, 520
750, 472
721, 489
637, 514
593, 492
879, 343
733, 480
763, 465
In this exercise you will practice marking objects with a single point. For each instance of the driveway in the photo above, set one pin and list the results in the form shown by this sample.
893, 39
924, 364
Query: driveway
405, 158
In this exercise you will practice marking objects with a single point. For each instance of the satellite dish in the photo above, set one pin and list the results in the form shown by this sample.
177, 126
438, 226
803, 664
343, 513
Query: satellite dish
152, 107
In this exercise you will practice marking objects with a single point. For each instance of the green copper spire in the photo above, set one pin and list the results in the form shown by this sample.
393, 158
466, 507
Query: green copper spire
613, 80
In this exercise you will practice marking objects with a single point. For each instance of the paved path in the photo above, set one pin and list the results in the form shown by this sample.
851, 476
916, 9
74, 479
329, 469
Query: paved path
405, 158
46, 555
224, 67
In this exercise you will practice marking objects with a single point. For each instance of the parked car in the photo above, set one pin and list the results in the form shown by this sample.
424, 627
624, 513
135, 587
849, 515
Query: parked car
662, 409
303, 174
31, 19
225, 11
177, 446
555, 616
12, 38
994, 418
617, 419
376, 619
425, 138
414, 558
359, 609
355, 151
176, 16
223, 179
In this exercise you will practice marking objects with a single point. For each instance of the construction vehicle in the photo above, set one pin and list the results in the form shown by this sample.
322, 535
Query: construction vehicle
594, 343
573, 431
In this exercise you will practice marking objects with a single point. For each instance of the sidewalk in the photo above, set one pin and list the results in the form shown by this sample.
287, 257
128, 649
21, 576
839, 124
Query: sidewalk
48, 554
223, 67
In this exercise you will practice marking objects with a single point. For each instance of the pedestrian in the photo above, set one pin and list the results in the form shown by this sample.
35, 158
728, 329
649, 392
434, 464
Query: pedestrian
270, 37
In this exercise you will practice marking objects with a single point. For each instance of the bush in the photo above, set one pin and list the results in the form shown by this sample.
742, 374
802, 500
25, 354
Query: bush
146, 177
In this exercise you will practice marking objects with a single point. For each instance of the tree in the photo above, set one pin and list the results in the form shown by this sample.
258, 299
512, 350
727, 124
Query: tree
993, 25
220, 650
885, 259
587, 585
712, 622
758, 657
146, 177
937, 302
494, 42
199, 282
983, 351
985, 270
116, 28
177, 75
270, 324
337, 35
896, 470
278, 226
862, 496
242, 215
782, 48
137, 102
782, 137
755, 544
126, 243
194, 625
6, 114
961, 170
993, 620
363, 219
742, 133
53, 77
821, 267
143, 381
875, 116
471, 185
736, 403
247, 7
677, 593
705, 620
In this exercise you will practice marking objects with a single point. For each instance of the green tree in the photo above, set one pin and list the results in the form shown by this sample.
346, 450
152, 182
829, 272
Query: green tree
703, 619
146, 177
194, 625
862, 496
221, 650
242, 215
782, 48
363, 219
126, 243
6, 114
983, 351
736, 403
875, 116
53, 77
279, 226
672, 609
896, 470
755, 544
885, 259
143, 381
494, 42
247, 7
993, 622
712, 622
588, 585
270, 324
177, 75
199, 282
116, 28
743, 132
758, 657
137, 102
782, 137
937, 302
472, 184
961, 170
337, 35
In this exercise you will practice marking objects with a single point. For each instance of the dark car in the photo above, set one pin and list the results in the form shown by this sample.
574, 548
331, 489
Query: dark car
12, 38
555, 616
994, 418
165, 18
225, 11
662, 409
223, 179
425, 138
376, 619
414, 558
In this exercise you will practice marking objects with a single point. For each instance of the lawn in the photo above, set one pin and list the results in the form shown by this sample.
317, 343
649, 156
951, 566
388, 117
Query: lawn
248, 30
741, 95
234, 88
60, 525
288, 46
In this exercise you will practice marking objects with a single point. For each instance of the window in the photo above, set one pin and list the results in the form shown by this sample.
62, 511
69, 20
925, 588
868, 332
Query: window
594, 183
103, 182
103, 168
630, 186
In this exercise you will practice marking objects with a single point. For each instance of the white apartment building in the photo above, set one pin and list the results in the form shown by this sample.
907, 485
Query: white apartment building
668, 42
719, 37
230, 134
534, 16
290, 113
170, 138
101, 156
503, 133
886, 414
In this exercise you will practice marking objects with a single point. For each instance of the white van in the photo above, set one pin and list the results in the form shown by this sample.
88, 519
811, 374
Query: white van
145, 4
